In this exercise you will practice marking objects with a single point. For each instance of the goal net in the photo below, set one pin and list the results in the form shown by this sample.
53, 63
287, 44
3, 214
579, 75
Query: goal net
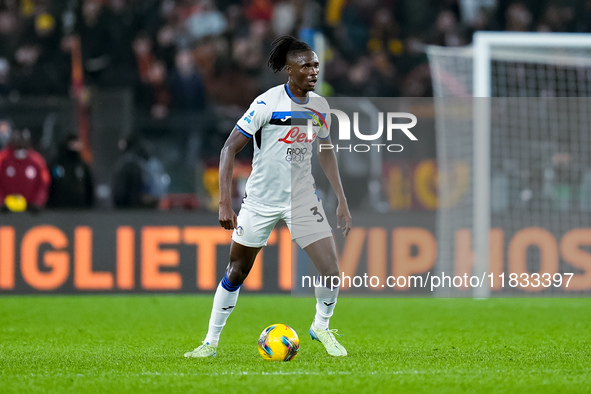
515, 110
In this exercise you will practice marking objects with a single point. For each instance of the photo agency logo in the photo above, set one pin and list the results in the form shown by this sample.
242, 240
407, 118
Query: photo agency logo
395, 122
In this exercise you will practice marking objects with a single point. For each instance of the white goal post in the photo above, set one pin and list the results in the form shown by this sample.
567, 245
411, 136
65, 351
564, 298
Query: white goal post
505, 64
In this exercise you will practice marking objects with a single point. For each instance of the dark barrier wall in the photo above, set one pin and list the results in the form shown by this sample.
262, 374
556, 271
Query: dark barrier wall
119, 252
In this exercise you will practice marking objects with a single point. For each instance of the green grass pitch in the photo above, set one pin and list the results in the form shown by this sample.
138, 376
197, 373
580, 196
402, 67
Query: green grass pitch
136, 343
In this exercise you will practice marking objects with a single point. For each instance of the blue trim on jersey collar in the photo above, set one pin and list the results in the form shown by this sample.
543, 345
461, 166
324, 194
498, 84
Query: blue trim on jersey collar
243, 132
294, 98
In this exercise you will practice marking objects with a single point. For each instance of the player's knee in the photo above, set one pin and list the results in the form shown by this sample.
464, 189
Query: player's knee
236, 275
330, 271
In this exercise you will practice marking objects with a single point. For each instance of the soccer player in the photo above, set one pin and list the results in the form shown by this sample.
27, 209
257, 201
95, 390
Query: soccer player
281, 187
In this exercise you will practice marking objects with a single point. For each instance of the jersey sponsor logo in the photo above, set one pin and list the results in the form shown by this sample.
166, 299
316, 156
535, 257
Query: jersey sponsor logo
295, 135
296, 154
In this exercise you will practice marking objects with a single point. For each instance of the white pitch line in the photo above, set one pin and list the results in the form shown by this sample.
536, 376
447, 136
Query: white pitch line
233, 373
287, 373
275, 373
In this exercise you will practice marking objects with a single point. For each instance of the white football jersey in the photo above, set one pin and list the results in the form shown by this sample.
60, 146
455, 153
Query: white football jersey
281, 165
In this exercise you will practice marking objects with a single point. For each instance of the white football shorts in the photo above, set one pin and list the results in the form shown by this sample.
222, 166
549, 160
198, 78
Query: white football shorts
306, 221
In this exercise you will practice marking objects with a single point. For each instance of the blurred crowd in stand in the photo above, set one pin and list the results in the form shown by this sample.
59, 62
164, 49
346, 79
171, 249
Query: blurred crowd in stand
184, 54
197, 64
28, 183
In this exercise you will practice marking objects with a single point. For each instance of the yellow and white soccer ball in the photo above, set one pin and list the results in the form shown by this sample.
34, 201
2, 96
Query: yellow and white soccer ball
279, 342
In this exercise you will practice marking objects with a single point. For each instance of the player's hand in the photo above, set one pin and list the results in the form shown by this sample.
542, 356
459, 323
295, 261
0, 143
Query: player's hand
344, 217
227, 217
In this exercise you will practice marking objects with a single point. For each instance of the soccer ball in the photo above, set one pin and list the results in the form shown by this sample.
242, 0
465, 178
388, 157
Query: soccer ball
279, 342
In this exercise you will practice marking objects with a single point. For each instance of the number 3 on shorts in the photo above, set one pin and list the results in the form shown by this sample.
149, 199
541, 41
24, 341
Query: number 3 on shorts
315, 212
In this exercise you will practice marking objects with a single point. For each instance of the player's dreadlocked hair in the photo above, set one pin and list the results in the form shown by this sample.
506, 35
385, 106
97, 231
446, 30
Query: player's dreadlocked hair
282, 46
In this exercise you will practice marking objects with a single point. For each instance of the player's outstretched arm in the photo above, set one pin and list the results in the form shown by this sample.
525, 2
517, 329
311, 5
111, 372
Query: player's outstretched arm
328, 162
234, 144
